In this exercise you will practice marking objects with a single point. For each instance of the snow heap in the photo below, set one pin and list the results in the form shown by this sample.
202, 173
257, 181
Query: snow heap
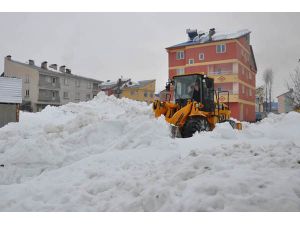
111, 154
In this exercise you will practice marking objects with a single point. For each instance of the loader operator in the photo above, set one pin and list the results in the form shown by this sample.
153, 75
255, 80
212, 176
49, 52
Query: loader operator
195, 91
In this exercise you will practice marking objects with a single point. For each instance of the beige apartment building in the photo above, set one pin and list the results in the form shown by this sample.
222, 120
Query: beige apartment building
53, 85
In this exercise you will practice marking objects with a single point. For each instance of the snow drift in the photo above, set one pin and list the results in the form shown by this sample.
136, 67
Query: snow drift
111, 154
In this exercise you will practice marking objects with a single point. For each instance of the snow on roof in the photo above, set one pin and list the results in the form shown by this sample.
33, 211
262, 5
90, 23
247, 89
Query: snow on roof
218, 36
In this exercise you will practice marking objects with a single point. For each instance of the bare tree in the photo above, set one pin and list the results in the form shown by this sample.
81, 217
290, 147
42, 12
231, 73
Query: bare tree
268, 78
294, 87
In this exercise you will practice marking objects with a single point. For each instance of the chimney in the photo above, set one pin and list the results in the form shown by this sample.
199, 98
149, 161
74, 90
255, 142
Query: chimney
8, 57
68, 71
53, 66
31, 62
44, 65
211, 33
62, 69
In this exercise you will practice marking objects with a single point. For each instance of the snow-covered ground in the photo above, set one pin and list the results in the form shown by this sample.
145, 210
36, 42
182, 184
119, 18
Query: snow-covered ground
113, 155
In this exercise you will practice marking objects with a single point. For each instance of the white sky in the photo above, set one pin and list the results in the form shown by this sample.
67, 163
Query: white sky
109, 45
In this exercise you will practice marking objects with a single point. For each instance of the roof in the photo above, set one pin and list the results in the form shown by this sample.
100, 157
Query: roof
139, 84
216, 37
285, 93
50, 70
10, 90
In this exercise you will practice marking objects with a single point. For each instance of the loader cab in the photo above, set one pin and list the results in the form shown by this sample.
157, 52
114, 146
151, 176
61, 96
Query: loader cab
195, 87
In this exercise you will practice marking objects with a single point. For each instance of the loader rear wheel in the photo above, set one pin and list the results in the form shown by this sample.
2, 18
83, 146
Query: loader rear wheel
193, 125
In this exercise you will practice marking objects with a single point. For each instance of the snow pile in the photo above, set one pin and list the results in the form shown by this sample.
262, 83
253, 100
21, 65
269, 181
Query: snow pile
113, 155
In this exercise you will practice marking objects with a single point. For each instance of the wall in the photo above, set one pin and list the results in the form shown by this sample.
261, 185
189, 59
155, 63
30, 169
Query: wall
7, 113
14, 69
138, 93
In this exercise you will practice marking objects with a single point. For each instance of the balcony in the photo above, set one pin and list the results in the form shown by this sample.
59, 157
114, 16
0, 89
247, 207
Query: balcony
223, 72
49, 82
48, 96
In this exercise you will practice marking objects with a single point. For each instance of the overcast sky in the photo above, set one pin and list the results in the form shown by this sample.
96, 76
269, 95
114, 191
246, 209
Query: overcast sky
109, 45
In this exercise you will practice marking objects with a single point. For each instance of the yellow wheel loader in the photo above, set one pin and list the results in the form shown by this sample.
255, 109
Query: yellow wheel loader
196, 106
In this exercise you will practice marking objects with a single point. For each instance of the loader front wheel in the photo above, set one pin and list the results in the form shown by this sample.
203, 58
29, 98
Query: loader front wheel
193, 125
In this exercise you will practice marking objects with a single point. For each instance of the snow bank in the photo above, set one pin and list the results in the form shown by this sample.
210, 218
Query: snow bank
113, 155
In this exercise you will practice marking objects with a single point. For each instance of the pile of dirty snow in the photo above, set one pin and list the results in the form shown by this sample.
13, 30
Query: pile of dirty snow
111, 154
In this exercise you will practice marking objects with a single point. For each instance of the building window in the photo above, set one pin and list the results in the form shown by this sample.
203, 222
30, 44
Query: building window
27, 79
48, 79
77, 96
180, 55
66, 81
191, 61
145, 94
243, 89
53, 80
89, 85
235, 88
77, 82
132, 92
53, 95
250, 92
250, 76
66, 94
27, 93
88, 96
221, 48
201, 56
180, 71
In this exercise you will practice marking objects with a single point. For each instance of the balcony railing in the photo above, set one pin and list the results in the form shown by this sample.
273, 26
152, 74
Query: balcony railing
223, 72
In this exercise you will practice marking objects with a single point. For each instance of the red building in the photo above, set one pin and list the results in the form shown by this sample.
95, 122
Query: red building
228, 58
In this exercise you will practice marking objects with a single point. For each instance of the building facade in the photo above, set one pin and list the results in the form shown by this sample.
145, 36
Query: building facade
285, 103
43, 85
228, 58
140, 91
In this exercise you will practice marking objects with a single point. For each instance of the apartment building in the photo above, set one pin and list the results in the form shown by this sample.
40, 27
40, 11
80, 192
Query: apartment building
53, 85
228, 58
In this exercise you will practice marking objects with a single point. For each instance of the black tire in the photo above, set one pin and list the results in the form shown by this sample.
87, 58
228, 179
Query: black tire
193, 125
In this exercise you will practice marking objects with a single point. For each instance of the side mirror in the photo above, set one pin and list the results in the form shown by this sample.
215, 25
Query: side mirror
168, 86
209, 83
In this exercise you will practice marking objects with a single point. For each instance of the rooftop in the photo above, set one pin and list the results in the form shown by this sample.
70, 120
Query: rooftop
49, 69
200, 37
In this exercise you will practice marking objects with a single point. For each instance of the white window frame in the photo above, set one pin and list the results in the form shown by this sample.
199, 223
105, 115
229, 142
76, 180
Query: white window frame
223, 49
180, 55
27, 93
66, 95
89, 85
26, 78
66, 81
191, 61
201, 56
